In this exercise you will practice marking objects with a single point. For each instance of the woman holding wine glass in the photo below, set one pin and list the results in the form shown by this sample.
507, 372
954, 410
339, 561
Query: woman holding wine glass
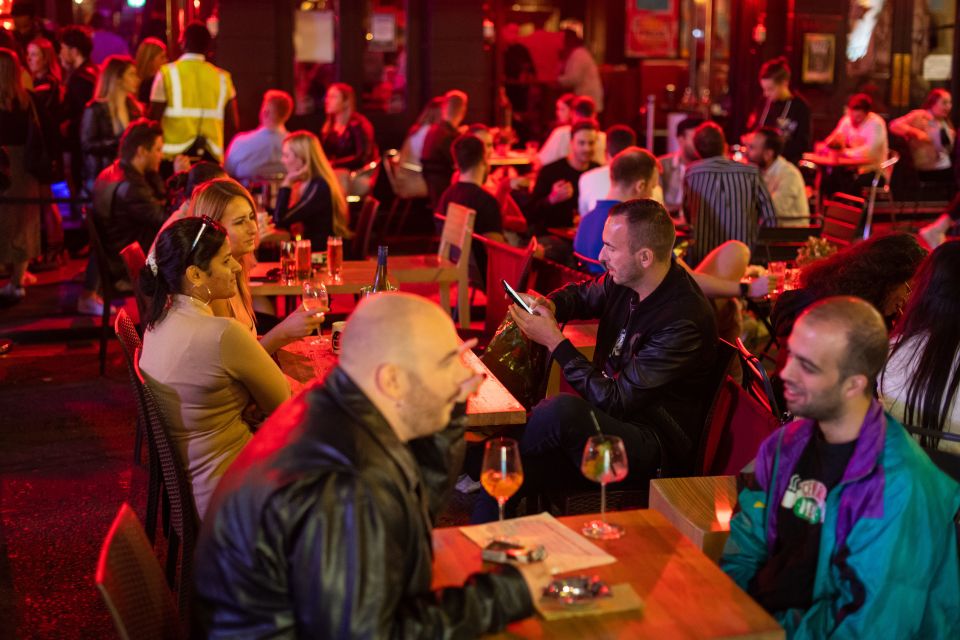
227, 202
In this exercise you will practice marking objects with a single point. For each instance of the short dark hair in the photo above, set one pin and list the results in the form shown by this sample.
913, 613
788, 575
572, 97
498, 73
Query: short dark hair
650, 226
454, 100
709, 140
688, 123
867, 339
772, 140
619, 137
140, 133
632, 164
196, 38
468, 151
777, 70
583, 125
584, 107
860, 102
77, 37
934, 97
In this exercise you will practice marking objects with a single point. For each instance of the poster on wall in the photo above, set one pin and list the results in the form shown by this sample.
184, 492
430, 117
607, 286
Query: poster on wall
652, 29
819, 54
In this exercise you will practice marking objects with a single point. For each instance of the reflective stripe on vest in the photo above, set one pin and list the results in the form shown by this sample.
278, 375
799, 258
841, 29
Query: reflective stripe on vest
183, 124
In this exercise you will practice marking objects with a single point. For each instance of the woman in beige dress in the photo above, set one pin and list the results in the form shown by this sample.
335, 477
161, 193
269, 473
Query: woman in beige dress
206, 371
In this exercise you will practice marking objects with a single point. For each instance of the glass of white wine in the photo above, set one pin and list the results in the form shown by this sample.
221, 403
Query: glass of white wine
604, 460
315, 298
501, 474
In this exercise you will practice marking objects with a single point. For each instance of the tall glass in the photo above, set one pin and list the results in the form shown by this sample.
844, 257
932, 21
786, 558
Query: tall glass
604, 460
501, 474
334, 257
304, 265
315, 298
288, 262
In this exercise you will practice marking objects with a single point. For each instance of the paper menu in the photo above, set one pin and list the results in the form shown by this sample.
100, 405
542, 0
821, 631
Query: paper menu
566, 550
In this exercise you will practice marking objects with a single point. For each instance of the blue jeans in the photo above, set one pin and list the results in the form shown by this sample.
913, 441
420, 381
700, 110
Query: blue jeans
551, 449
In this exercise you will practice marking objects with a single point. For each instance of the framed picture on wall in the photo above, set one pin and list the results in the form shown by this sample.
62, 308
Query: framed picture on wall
819, 58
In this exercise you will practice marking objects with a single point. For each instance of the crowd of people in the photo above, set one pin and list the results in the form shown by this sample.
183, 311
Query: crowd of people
353, 474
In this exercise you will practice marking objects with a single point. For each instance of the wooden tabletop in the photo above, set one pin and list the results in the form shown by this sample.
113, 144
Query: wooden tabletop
513, 158
684, 594
833, 160
357, 274
492, 406
700, 508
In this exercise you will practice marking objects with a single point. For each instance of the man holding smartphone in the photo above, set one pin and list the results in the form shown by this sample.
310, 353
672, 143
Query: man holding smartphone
648, 382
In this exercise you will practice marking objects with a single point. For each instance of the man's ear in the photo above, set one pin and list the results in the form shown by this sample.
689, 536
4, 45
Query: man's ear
390, 381
855, 385
646, 257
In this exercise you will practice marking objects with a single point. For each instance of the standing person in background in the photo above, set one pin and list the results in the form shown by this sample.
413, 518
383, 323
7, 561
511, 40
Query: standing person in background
674, 165
257, 153
107, 116
189, 85
79, 84
580, 72
310, 194
437, 157
19, 223
783, 179
782, 109
106, 43
151, 55
44, 68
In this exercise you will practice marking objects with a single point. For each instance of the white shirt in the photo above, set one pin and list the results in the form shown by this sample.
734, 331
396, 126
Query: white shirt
255, 153
594, 185
867, 143
558, 146
788, 192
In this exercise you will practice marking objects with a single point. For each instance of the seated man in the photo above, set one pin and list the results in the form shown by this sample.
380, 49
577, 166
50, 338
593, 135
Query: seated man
649, 380
783, 179
437, 159
557, 145
321, 528
256, 153
860, 136
673, 166
595, 184
723, 199
129, 202
847, 527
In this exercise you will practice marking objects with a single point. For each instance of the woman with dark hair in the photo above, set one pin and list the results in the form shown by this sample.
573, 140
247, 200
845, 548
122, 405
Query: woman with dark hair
931, 136
919, 384
347, 136
205, 370
782, 109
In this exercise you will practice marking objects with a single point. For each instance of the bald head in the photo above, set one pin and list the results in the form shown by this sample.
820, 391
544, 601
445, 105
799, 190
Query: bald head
864, 330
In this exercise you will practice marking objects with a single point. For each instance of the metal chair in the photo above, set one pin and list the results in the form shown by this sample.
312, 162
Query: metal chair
843, 219
881, 172
131, 583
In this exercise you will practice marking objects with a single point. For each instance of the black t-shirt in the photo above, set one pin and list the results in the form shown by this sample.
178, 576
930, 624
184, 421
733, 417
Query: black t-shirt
791, 118
539, 212
437, 159
488, 218
786, 580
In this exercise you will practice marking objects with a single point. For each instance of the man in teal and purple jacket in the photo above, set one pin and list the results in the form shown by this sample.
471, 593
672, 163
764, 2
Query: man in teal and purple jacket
847, 529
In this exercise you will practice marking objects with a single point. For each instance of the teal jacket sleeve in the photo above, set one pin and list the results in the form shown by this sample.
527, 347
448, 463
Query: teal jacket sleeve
746, 548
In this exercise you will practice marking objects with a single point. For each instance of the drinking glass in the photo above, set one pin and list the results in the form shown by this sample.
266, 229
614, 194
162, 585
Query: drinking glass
777, 270
501, 474
334, 257
288, 262
304, 264
315, 298
604, 460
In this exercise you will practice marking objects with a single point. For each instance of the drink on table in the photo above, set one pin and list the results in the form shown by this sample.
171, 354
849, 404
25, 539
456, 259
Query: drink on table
334, 257
304, 267
288, 262
380, 281
604, 461
315, 298
501, 473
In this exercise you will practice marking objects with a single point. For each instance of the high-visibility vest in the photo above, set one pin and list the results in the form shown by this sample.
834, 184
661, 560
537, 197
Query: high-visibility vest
197, 93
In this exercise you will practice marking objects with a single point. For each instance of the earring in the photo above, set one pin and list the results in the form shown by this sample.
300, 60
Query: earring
209, 294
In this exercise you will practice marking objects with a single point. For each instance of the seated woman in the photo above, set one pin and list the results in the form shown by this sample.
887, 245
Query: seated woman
347, 139
310, 194
204, 370
226, 201
408, 171
931, 136
919, 383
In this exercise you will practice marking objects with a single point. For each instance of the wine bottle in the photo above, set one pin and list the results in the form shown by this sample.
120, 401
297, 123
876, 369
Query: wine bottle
380, 282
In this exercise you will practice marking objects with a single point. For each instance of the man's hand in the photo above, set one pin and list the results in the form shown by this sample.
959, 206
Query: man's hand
540, 326
561, 192
181, 163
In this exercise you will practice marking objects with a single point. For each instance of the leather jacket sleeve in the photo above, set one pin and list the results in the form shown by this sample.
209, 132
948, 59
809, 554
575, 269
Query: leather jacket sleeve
440, 458
665, 356
581, 300
96, 136
137, 201
353, 531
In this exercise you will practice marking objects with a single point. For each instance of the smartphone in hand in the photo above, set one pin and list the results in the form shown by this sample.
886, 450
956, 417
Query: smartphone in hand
516, 297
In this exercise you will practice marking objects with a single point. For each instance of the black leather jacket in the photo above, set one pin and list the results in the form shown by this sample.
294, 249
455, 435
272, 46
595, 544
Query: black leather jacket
653, 357
98, 140
129, 206
321, 529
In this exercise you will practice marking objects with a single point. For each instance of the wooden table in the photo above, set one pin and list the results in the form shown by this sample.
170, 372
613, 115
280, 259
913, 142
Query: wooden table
357, 274
828, 161
700, 508
491, 408
511, 159
684, 594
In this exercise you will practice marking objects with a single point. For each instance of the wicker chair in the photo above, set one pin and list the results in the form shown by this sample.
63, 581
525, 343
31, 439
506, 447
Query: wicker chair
131, 345
184, 523
131, 582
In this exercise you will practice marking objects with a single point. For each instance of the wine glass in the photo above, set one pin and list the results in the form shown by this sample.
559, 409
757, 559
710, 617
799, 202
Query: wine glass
315, 298
501, 474
604, 460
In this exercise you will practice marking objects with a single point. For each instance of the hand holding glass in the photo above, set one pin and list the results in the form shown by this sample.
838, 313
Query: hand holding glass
604, 460
315, 298
501, 474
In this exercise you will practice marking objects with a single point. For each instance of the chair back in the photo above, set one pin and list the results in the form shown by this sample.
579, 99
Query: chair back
843, 219
131, 582
589, 265
457, 233
184, 522
756, 381
782, 243
883, 171
503, 263
134, 261
364, 231
550, 275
